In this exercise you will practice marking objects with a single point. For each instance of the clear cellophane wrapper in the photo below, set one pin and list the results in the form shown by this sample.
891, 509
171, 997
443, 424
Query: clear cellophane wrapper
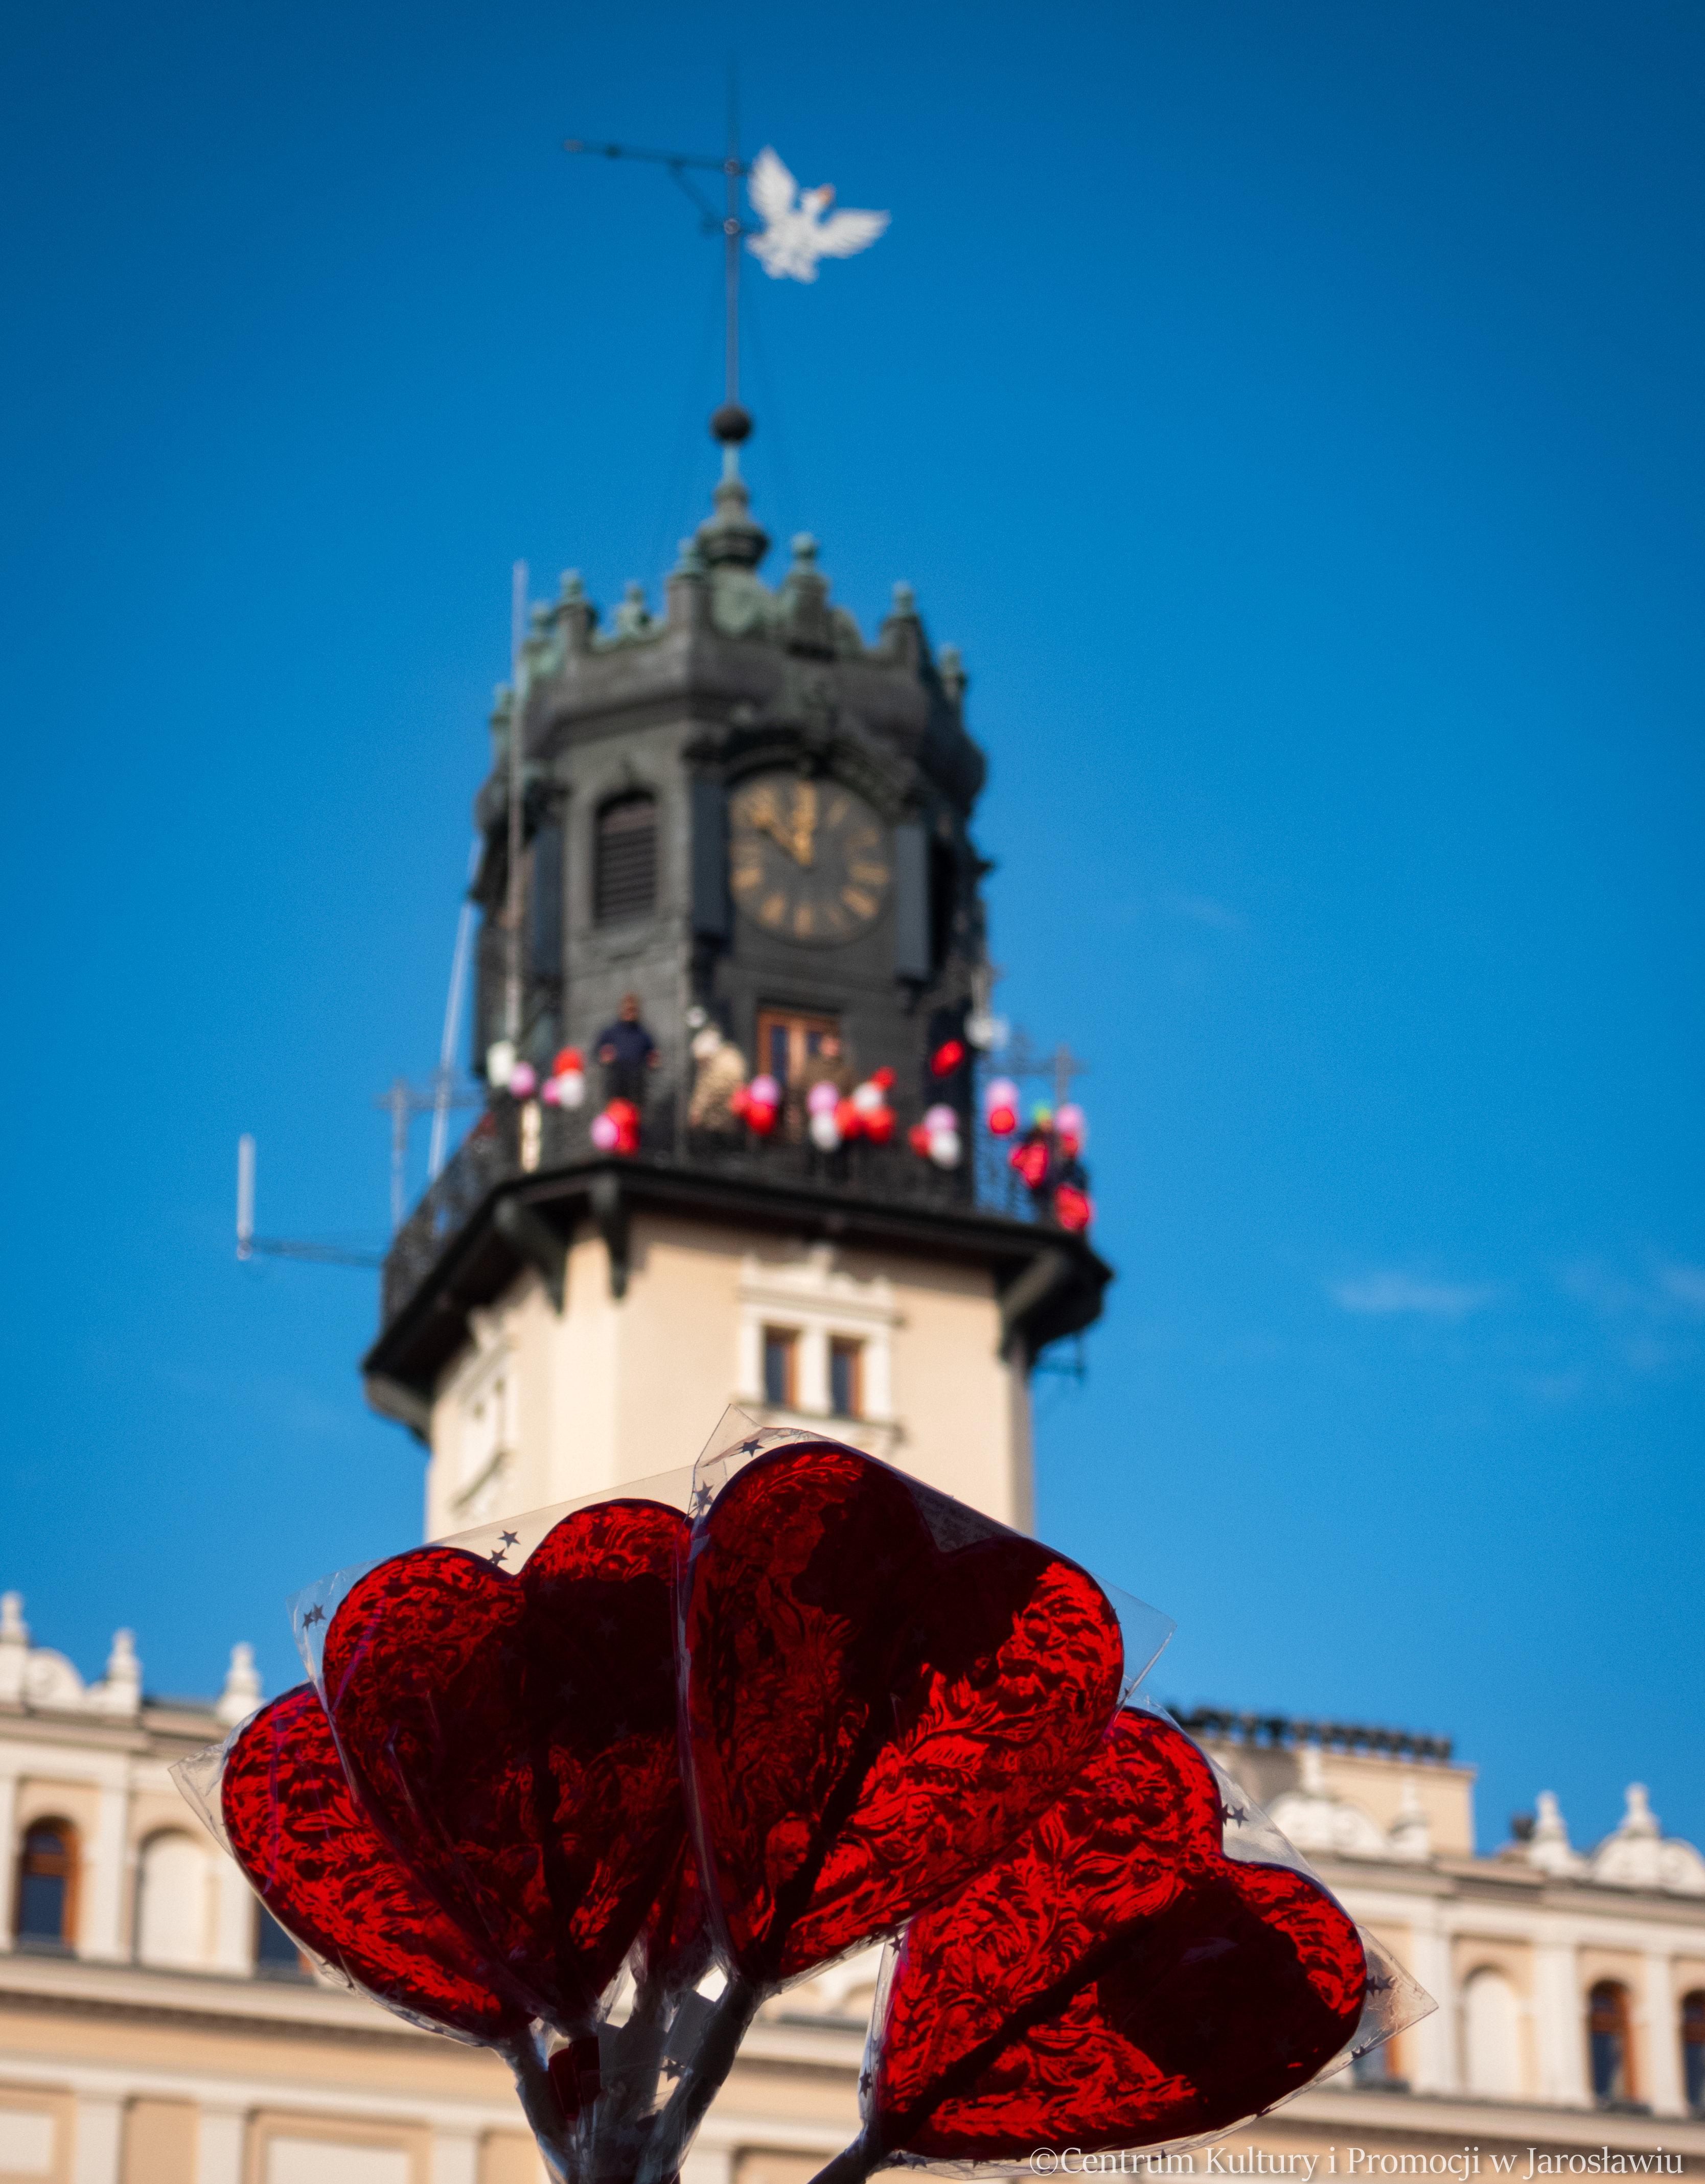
591, 1785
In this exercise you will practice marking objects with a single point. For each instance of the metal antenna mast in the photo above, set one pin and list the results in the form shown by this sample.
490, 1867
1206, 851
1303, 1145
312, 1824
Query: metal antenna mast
284, 1247
444, 1075
517, 737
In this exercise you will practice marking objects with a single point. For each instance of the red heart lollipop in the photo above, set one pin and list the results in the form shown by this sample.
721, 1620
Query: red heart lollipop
313, 1857
1115, 1981
872, 1717
513, 1739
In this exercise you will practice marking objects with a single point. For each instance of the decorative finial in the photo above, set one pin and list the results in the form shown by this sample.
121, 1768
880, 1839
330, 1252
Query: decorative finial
731, 537
572, 591
1638, 1818
14, 1648
805, 549
242, 1692
731, 424
122, 1691
905, 599
633, 616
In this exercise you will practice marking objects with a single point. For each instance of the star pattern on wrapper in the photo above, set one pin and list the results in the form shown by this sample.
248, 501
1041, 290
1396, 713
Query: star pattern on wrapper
497, 1555
315, 1614
701, 1500
511, 1538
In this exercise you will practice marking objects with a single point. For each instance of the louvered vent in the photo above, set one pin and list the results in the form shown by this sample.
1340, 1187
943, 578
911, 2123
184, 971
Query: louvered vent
626, 874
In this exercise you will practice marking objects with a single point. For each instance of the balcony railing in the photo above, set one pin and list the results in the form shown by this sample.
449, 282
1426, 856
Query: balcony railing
891, 1175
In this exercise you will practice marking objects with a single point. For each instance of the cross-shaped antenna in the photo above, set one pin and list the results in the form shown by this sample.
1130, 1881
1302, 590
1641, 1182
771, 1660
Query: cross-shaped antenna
1020, 1059
731, 424
403, 1102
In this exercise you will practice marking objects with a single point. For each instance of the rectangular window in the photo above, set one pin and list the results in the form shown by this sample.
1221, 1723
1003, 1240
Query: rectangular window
781, 1345
846, 1378
276, 1956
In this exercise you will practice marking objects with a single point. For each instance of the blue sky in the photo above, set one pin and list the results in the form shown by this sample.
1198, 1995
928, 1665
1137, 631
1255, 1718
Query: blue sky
1293, 413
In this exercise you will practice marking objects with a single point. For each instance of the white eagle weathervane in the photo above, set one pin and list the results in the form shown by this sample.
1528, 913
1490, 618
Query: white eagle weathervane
795, 233
798, 229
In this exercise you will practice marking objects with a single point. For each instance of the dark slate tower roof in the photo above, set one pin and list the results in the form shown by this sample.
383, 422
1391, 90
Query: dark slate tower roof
804, 797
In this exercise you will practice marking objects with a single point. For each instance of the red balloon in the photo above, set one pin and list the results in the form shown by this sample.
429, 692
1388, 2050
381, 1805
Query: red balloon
315, 1860
1115, 1981
947, 1057
1072, 1208
879, 1125
871, 1715
514, 1740
849, 1119
918, 1139
1002, 1122
1030, 1157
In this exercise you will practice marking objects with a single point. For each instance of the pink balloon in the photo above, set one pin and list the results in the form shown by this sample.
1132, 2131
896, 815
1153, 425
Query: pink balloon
937, 1119
1000, 1092
765, 1092
604, 1134
823, 1099
523, 1078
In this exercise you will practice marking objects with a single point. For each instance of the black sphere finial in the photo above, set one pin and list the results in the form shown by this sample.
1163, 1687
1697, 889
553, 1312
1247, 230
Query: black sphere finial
731, 424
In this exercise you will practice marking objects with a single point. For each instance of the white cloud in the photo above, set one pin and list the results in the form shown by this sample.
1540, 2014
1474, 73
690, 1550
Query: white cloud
1206, 911
1687, 1284
1381, 1294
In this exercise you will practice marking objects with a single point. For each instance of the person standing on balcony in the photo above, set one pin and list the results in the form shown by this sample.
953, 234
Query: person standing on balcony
825, 1064
721, 1073
627, 1052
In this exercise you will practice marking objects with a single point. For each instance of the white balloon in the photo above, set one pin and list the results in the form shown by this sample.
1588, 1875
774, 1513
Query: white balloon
944, 1148
825, 1130
571, 1088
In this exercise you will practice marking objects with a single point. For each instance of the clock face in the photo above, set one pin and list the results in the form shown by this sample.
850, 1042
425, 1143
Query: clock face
806, 859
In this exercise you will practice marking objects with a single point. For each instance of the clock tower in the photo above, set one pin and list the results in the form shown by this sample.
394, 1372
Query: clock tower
748, 815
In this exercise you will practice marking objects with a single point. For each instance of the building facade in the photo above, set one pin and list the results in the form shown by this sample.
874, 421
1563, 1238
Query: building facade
156, 2028
756, 823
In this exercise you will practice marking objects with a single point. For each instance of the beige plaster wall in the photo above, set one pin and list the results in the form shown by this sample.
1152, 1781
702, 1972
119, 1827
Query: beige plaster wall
159, 2142
612, 1391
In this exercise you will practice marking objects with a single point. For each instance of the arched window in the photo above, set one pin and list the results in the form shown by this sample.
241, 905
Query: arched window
48, 1886
624, 859
1608, 2046
1491, 2048
171, 1901
1693, 2048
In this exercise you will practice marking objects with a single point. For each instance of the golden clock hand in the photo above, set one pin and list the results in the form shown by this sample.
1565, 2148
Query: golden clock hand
782, 836
805, 823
